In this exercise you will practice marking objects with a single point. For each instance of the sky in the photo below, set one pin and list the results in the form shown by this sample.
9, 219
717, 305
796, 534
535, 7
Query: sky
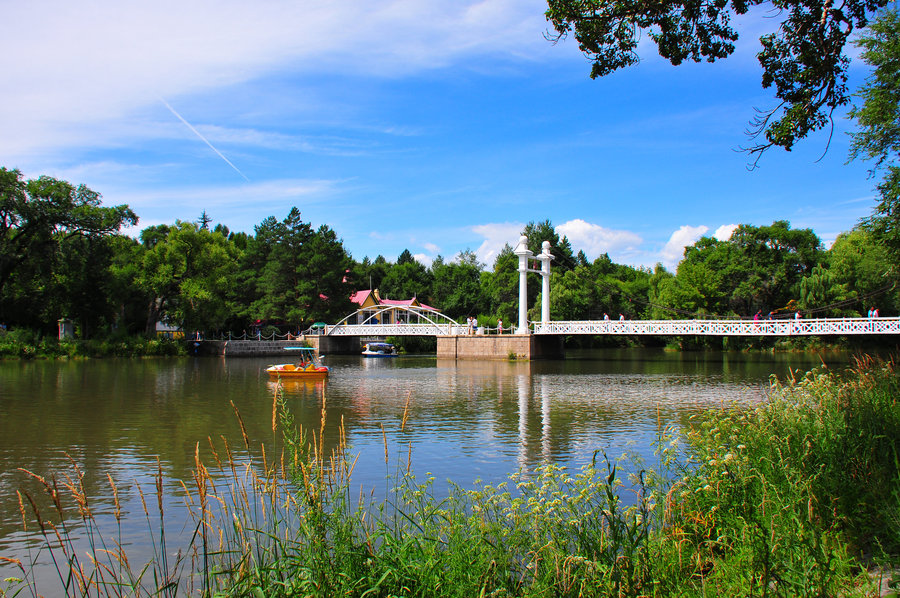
436, 127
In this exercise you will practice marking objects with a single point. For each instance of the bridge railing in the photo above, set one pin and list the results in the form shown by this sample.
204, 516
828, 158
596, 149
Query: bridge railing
785, 327
427, 329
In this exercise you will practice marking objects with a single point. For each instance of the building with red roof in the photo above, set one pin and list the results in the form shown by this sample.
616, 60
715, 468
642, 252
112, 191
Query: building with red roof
372, 306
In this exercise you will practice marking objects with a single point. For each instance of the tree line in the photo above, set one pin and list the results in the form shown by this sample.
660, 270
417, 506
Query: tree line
62, 254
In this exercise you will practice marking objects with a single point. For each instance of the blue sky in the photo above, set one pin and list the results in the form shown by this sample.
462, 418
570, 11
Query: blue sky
429, 126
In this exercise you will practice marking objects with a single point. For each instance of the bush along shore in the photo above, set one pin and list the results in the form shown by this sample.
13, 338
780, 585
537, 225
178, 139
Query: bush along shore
26, 344
799, 496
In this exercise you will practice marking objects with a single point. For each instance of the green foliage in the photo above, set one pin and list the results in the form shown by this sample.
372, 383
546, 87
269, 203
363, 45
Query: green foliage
539, 232
819, 290
878, 138
809, 476
858, 261
803, 60
573, 295
188, 273
457, 286
301, 276
27, 344
414, 344
501, 285
758, 268
287, 274
406, 280
52, 249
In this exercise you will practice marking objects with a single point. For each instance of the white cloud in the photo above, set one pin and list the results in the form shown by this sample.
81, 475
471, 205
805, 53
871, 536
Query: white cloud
423, 259
681, 238
89, 64
723, 233
595, 240
496, 235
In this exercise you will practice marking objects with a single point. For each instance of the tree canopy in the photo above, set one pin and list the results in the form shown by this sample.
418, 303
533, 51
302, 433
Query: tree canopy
202, 277
802, 57
36, 215
878, 137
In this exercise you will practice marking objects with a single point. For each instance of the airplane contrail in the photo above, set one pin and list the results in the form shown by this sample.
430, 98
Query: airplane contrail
204, 139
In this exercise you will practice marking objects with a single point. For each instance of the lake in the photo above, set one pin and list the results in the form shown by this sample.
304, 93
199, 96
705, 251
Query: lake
465, 420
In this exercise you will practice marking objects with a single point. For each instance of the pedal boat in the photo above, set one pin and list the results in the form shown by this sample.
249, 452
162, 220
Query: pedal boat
308, 368
379, 350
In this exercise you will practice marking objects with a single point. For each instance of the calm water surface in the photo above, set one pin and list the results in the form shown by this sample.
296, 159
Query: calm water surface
466, 419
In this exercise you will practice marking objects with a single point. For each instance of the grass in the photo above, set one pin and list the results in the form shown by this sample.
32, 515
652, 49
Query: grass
26, 344
798, 497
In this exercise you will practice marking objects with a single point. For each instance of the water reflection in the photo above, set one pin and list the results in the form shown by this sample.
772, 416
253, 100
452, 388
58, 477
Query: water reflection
463, 420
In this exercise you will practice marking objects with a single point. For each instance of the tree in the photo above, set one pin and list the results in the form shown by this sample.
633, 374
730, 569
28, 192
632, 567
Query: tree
130, 300
301, 276
573, 295
775, 259
457, 286
561, 249
39, 215
83, 286
406, 280
501, 286
368, 274
187, 276
323, 287
758, 268
879, 120
857, 260
820, 293
802, 59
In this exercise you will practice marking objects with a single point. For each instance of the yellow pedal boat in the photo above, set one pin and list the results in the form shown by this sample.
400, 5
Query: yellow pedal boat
309, 367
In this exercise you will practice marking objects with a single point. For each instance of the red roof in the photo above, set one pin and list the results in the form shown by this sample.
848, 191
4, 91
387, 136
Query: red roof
405, 303
359, 297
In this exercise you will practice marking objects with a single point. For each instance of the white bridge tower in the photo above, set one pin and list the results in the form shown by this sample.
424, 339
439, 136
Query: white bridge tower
544, 257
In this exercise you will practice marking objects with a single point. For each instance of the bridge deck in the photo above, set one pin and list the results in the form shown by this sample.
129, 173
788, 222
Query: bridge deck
801, 327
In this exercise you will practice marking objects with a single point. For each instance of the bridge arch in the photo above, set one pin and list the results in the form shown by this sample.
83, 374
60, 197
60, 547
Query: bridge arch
396, 320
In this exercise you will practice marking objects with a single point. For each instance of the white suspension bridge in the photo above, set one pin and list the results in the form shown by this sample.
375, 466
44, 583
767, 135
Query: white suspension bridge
785, 327
418, 321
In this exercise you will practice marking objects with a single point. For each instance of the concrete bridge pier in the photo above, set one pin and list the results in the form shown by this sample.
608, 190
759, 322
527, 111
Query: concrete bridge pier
500, 346
335, 345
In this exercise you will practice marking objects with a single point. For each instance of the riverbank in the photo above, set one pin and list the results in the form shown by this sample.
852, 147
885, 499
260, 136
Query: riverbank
798, 496
25, 344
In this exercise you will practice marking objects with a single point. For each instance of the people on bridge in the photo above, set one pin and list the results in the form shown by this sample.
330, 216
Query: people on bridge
621, 317
605, 316
499, 326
